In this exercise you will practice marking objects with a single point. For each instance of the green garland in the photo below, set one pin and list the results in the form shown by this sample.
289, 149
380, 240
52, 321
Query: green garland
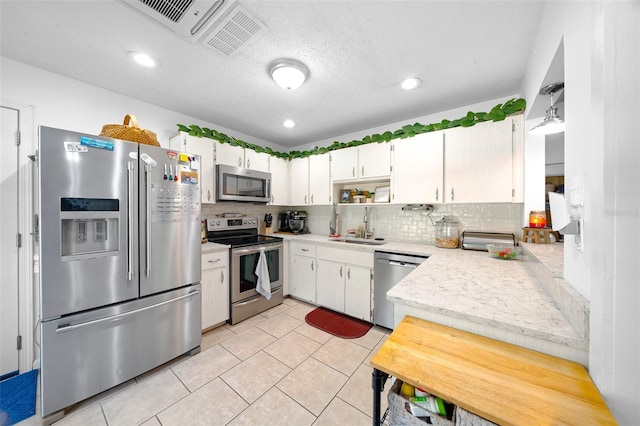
497, 113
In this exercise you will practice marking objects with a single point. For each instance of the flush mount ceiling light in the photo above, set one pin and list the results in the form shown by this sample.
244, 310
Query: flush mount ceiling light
411, 83
552, 123
289, 123
144, 59
288, 73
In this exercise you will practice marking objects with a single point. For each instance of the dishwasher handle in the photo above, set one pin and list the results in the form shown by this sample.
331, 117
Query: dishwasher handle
403, 264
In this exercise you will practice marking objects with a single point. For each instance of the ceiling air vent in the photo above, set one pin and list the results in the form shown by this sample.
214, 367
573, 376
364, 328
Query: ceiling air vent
235, 29
187, 18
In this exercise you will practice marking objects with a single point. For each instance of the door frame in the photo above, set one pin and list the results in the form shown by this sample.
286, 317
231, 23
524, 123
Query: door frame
27, 257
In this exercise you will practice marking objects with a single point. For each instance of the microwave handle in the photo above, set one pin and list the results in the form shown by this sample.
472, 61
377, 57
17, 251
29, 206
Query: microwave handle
268, 188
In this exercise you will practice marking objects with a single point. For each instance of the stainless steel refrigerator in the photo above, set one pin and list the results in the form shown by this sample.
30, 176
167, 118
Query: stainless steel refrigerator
119, 262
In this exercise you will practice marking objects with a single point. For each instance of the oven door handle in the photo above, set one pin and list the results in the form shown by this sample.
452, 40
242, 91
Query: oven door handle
259, 298
256, 249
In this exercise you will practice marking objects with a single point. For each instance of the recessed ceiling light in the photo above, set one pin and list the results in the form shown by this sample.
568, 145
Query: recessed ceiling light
411, 83
289, 123
144, 59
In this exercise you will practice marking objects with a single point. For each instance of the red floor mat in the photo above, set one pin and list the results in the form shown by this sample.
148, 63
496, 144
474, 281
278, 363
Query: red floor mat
337, 324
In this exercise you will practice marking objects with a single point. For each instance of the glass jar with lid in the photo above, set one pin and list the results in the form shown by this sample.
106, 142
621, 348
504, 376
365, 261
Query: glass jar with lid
447, 233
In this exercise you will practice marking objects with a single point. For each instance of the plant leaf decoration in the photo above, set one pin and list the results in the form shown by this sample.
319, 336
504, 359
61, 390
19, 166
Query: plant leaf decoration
497, 113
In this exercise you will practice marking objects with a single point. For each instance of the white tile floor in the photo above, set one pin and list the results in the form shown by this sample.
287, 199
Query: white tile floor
272, 369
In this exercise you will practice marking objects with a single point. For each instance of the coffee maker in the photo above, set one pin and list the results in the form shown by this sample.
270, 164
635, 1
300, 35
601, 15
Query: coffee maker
283, 221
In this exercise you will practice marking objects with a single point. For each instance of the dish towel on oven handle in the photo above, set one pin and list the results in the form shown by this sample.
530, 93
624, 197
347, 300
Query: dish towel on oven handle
263, 283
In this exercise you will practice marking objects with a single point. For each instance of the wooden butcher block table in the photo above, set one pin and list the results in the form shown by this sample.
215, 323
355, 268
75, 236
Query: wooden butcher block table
500, 382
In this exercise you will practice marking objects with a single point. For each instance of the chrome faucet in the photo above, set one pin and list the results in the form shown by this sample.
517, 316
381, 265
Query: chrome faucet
366, 232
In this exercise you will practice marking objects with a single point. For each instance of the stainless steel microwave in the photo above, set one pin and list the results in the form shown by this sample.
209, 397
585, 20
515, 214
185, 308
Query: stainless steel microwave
239, 184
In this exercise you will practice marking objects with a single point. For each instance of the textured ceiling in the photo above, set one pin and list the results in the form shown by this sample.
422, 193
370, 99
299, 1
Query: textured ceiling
357, 53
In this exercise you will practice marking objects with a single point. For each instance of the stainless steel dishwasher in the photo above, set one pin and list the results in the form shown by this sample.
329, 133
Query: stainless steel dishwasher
389, 270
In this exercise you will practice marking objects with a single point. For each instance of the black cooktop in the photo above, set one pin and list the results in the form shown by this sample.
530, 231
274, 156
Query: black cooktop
240, 238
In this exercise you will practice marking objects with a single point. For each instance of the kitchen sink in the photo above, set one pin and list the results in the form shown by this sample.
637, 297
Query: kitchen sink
358, 241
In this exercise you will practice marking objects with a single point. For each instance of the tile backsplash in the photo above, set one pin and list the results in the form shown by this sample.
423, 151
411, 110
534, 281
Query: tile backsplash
390, 221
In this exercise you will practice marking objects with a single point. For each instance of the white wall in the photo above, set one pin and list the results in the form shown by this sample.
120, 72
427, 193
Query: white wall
602, 92
451, 114
534, 169
70, 104
52, 100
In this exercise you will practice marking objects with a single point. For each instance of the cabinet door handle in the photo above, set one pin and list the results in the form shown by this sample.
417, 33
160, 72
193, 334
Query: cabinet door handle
304, 249
353, 172
305, 200
208, 195
271, 198
248, 162
221, 276
348, 273
451, 194
239, 161
312, 265
214, 261
362, 171
436, 194
311, 198
341, 272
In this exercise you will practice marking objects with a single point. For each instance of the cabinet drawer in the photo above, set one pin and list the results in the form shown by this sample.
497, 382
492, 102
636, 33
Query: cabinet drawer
304, 249
215, 260
353, 257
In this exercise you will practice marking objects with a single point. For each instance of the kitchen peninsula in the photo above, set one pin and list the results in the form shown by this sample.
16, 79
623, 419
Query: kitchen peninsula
503, 300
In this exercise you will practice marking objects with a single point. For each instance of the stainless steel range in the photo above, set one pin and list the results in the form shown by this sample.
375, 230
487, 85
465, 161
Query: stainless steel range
241, 233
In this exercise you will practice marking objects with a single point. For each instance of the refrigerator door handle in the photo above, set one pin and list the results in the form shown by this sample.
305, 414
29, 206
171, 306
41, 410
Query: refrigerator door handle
147, 172
66, 328
130, 220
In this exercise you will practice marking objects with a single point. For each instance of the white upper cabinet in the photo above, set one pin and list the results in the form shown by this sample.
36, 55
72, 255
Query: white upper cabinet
344, 164
241, 157
478, 163
364, 162
299, 182
280, 181
417, 173
319, 180
518, 159
310, 182
374, 160
256, 160
203, 147
229, 155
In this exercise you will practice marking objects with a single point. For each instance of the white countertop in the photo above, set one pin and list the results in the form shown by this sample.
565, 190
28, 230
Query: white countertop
211, 247
472, 286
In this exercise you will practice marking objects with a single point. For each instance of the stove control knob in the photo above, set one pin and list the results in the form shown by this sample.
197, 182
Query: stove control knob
217, 223
254, 221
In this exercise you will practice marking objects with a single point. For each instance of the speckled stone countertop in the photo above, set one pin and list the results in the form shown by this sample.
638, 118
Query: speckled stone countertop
472, 286
211, 247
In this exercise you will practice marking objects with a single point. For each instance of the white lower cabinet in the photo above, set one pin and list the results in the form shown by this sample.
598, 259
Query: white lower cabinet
330, 292
215, 288
344, 281
302, 283
357, 292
